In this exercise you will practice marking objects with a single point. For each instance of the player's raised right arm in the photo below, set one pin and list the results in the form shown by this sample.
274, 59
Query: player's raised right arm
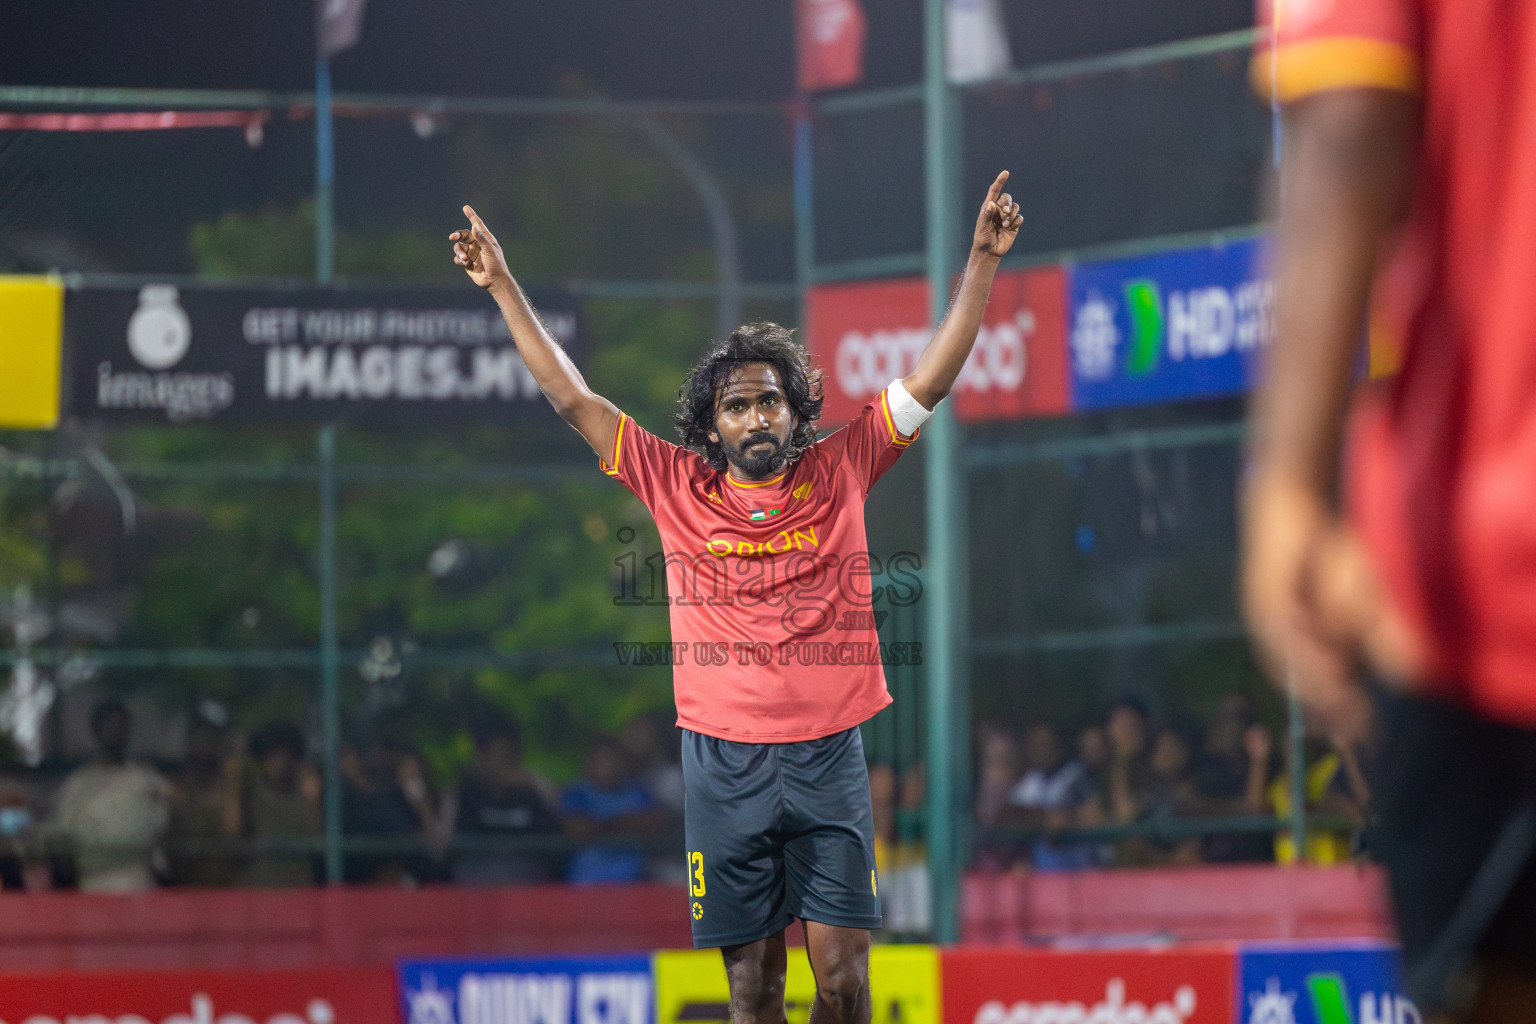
594, 417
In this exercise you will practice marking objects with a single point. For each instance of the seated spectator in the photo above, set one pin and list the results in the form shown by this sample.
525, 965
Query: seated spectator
1335, 788
16, 835
1170, 793
1049, 796
606, 810
997, 771
111, 812
1126, 729
385, 798
655, 753
279, 805
1231, 774
202, 828
500, 801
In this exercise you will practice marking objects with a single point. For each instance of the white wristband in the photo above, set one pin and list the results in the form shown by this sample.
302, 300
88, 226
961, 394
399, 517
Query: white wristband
906, 413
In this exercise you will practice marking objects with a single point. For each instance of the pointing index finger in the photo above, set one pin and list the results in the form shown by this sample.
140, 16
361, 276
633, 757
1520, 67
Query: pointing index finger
997, 187
480, 230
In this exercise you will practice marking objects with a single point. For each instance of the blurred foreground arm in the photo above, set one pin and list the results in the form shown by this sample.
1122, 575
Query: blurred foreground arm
1307, 591
594, 417
937, 368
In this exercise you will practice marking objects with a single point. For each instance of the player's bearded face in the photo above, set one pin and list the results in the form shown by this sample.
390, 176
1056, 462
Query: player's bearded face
753, 422
759, 455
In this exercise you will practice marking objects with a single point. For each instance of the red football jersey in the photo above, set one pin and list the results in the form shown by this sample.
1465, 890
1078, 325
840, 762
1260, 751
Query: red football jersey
769, 583
1442, 461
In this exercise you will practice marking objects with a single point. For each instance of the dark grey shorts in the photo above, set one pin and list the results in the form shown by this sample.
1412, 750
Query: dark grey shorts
777, 831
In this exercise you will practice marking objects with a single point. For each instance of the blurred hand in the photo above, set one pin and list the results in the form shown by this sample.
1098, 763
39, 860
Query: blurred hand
478, 252
998, 223
1309, 597
1258, 744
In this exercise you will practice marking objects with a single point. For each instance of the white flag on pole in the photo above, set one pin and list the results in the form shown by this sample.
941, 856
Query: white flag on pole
977, 41
340, 22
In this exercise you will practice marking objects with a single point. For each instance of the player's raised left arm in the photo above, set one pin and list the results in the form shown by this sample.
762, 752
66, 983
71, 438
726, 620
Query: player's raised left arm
997, 225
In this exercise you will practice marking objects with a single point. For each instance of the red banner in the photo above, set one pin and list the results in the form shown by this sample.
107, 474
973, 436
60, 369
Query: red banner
315, 996
830, 34
1014, 986
866, 335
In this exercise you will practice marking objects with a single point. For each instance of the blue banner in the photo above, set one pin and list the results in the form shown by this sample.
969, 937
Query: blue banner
543, 990
1357, 983
1179, 325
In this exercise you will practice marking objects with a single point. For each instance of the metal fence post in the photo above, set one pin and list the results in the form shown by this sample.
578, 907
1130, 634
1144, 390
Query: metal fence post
330, 656
944, 654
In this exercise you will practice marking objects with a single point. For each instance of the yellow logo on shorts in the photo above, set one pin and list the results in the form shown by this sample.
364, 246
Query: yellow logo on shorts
698, 910
874, 890
696, 873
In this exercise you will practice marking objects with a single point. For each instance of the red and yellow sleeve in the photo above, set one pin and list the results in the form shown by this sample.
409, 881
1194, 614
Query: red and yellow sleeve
1314, 46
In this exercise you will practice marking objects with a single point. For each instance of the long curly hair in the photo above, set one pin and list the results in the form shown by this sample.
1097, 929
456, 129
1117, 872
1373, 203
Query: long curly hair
699, 397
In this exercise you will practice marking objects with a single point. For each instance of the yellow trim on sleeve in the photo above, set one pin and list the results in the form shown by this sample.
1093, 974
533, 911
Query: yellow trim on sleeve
612, 469
1297, 70
885, 410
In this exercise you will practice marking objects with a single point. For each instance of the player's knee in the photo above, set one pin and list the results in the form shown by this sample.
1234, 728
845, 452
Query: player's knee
757, 999
842, 986
757, 989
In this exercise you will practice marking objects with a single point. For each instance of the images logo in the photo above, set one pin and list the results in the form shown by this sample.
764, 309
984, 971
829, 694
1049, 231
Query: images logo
159, 332
1144, 301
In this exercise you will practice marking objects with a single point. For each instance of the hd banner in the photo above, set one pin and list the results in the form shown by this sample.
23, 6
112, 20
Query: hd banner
169, 354
1174, 326
532, 990
1324, 983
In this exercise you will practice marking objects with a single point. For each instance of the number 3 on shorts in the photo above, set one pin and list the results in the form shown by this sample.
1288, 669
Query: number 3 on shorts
696, 872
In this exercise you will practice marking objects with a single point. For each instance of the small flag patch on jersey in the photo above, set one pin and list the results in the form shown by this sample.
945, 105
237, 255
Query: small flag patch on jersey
763, 513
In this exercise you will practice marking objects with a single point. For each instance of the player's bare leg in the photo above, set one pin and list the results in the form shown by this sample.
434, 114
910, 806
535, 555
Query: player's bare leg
840, 961
755, 972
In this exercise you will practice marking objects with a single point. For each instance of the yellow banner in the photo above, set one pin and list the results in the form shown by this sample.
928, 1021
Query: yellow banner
31, 342
904, 981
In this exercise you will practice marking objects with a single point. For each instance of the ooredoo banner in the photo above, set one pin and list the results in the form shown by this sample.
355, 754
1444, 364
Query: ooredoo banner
316, 996
868, 334
1015, 986
1355, 983
176, 354
904, 982
531, 990
1177, 325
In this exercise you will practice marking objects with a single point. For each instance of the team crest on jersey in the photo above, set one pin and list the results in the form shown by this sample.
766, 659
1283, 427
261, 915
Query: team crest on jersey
803, 491
714, 496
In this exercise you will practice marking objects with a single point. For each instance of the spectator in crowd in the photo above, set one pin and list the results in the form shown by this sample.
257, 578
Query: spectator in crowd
1049, 797
1335, 789
654, 750
1232, 773
201, 833
606, 811
1170, 793
997, 770
1126, 729
498, 802
277, 804
111, 812
386, 799
17, 858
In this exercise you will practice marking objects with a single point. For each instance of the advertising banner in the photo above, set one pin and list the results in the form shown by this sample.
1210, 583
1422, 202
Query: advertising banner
534, 990
1358, 983
1019, 986
31, 335
866, 335
402, 356
904, 981
1178, 325
313, 996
